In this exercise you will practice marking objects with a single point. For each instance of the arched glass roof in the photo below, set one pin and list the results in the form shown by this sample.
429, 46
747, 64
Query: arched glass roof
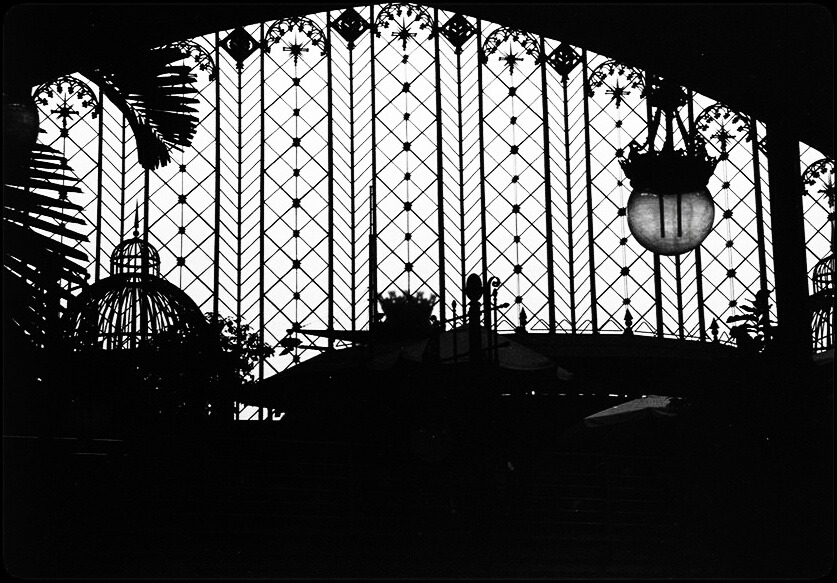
397, 147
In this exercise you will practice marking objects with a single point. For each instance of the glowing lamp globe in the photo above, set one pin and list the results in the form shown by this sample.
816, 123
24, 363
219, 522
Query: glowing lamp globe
670, 211
670, 224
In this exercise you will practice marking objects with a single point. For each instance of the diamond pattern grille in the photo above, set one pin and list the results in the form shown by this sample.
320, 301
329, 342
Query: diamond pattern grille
514, 183
816, 207
68, 110
406, 165
292, 182
624, 270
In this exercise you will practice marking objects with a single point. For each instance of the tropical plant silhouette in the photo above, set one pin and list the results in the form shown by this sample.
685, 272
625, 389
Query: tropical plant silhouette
39, 260
753, 334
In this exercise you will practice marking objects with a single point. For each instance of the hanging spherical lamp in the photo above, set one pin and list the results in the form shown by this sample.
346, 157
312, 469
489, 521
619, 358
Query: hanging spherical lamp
670, 211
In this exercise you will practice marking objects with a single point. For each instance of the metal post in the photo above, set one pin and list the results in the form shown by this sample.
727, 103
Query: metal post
698, 262
461, 174
217, 252
123, 156
455, 332
239, 167
680, 324
593, 300
330, 184
352, 241
144, 259
440, 174
568, 171
100, 140
261, 205
754, 141
658, 287
483, 243
474, 288
547, 177
373, 244
793, 336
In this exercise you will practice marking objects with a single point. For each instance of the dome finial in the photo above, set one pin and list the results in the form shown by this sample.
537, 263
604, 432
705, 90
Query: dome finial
136, 221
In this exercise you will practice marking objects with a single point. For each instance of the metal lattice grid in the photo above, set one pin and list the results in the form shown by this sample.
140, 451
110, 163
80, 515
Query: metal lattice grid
513, 175
181, 195
624, 270
351, 83
562, 77
70, 122
734, 263
459, 149
406, 166
297, 184
268, 216
815, 205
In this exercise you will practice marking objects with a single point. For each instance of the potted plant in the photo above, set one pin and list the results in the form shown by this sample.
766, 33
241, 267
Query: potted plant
406, 314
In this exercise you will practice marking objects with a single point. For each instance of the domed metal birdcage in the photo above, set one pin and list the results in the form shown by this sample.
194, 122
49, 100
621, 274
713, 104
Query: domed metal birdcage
822, 302
129, 255
130, 307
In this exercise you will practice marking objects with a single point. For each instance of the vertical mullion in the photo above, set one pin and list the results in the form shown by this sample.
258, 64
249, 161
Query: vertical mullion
550, 267
352, 242
239, 167
330, 185
759, 210
439, 174
658, 284
461, 174
261, 202
481, 120
145, 255
123, 156
146, 195
217, 252
568, 182
698, 263
101, 107
591, 249
680, 325
373, 243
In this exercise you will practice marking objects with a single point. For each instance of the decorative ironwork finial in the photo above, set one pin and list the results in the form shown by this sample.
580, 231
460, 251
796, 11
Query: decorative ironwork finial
458, 30
563, 59
302, 25
602, 76
714, 328
239, 45
350, 25
629, 323
523, 319
136, 221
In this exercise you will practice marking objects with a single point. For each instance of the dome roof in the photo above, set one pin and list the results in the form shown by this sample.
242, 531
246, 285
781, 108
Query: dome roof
823, 273
134, 304
129, 255
121, 311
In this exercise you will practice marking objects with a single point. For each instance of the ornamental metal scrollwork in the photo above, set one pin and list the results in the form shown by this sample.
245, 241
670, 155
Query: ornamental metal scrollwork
563, 59
721, 125
201, 57
67, 89
458, 30
414, 12
390, 12
820, 173
600, 76
524, 39
350, 25
303, 25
